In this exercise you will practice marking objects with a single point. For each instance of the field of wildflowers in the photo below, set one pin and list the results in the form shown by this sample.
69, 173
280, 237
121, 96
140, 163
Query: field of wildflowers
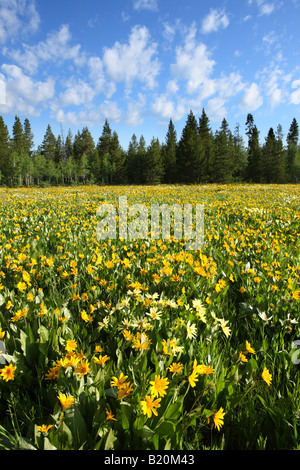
142, 344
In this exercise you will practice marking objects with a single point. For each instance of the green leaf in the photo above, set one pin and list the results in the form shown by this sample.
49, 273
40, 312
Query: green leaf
110, 440
166, 428
174, 410
75, 422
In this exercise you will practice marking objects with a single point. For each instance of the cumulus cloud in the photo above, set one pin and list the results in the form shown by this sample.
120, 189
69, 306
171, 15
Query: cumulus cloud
17, 16
215, 20
88, 117
167, 107
251, 99
56, 48
136, 111
77, 92
23, 94
193, 62
145, 5
216, 109
133, 61
295, 95
266, 7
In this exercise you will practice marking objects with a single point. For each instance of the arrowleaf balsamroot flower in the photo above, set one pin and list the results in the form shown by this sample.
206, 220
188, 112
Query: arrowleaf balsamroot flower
118, 382
267, 377
109, 416
71, 345
124, 390
159, 386
149, 406
176, 367
219, 418
83, 367
7, 373
44, 428
66, 400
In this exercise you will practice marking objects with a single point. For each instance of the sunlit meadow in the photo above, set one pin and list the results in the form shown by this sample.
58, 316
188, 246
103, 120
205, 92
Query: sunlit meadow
142, 344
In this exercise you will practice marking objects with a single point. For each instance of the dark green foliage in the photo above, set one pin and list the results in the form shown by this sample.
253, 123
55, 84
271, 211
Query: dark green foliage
154, 170
49, 144
169, 155
198, 157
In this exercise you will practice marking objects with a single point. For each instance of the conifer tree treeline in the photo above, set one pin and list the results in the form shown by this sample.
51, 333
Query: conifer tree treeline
198, 156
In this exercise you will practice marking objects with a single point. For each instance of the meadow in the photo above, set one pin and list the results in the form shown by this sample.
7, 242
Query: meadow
142, 344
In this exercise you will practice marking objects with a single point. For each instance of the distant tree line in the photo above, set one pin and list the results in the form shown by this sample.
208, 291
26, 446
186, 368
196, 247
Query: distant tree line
198, 156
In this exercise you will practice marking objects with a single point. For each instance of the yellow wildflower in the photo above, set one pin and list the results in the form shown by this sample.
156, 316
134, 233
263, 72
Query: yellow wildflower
149, 406
66, 400
267, 377
159, 386
219, 418
7, 373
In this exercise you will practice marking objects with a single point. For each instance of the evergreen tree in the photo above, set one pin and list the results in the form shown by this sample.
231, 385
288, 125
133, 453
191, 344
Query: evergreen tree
254, 158
189, 155
223, 154
154, 170
5, 148
292, 142
103, 148
268, 156
104, 141
118, 159
133, 170
83, 143
142, 160
49, 144
17, 136
169, 155
207, 142
239, 155
28, 138
69, 145
59, 150
280, 157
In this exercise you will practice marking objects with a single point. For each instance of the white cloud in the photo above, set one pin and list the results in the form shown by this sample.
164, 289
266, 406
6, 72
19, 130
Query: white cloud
251, 99
107, 110
17, 17
133, 61
216, 109
136, 111
274, 81
215, 20
193, 62
166, 107
296, 84
145, 5
98, 78
229, 86
23, 94
77, 93
169, 31
266, 8
295, 95
2, 89
172, 86
56, 48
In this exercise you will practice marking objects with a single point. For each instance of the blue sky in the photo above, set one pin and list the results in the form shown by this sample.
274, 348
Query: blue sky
138, 63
